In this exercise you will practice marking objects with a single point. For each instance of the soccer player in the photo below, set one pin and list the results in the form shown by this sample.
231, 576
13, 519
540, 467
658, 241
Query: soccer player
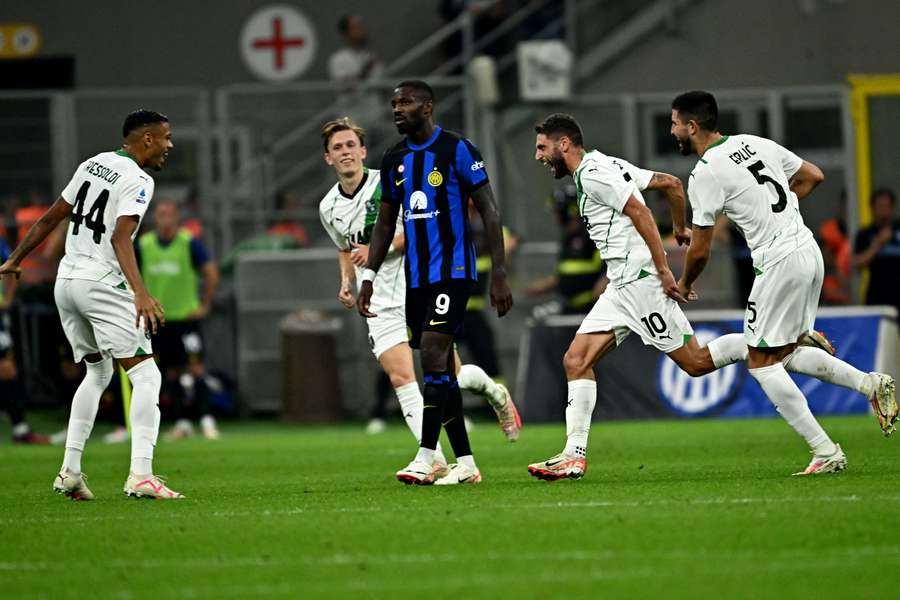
430, 175
106, 311
758, 184
172, 263
348, 213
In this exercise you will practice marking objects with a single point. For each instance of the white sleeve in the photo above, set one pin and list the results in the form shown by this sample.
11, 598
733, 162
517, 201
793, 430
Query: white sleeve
607, 186
640, 176
706, 196
134, 197
69, 192
790, 162
341, 66
339, 240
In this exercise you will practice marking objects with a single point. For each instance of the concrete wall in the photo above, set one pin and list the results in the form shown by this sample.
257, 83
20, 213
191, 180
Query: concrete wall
167, 42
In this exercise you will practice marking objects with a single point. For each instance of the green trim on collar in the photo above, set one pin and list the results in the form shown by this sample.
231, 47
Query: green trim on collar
121, 152
721, 141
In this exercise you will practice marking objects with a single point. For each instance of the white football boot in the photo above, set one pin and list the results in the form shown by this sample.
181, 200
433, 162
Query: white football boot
837, 461
884, 402
417, 472
508, 416
149, 486
560, 466
816, 339
458, 474
72, 485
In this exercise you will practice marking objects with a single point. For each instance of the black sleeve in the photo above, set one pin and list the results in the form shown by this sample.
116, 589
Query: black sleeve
387, 187
863, 240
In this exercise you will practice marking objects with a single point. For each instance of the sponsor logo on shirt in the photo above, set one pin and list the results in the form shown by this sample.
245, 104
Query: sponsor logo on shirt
142, 197
477, 165
418, 200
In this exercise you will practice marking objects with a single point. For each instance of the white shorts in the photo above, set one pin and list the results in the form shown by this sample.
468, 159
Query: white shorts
784, 299
387, 330
642, 307
98, 317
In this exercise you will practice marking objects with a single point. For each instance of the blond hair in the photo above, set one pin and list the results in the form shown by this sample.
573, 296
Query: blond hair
343, 124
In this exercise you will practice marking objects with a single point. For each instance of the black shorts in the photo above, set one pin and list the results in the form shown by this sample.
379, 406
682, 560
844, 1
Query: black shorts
178, 343
439, 307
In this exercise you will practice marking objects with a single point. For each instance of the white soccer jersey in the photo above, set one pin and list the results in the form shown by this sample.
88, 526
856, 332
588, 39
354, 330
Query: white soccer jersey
351, 219
103, 188
604, 185
747, 178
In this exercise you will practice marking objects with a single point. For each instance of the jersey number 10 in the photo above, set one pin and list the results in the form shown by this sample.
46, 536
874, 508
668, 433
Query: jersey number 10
94, 218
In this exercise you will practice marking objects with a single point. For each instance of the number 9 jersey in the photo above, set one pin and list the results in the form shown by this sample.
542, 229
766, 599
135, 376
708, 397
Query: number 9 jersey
747, 178
105, 187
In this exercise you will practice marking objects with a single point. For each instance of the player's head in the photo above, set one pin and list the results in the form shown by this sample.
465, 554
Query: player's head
166, 218
413, 105
694, 115
345, 146
883, 201
558, 136
148, 137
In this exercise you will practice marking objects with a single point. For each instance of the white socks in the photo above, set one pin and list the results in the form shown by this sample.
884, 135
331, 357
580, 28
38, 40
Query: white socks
789, 401
472, 378
411, 404
146, 381
581, 400
817, 363
728, 349
467, 460
84, 411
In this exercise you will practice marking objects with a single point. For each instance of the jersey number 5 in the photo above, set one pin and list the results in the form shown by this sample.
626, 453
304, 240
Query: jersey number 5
94, 218
756, 168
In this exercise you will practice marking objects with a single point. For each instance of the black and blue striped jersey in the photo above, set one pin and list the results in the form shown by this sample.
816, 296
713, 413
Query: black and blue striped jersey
432, 184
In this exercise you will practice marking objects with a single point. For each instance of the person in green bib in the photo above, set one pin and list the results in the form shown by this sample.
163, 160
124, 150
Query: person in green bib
173, 264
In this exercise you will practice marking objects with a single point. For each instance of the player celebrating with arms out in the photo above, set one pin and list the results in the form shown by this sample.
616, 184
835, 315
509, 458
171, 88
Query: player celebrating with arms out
106, 311
758, 184
430, 175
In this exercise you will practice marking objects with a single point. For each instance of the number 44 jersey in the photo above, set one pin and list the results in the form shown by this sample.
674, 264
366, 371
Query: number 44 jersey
104, 188
747, 178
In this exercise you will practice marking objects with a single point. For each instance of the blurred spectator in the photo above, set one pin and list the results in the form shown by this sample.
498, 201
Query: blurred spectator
352, 65
878, 249
579, 278
486, 16
836, 255
12, 391
173, 263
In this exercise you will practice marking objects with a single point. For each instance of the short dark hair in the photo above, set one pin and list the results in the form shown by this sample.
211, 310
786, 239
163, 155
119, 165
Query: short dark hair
883, 191
141, 117
698, 106
419, 86
559, 124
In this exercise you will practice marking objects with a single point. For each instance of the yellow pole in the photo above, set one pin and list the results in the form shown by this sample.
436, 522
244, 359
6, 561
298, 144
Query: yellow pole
125, 386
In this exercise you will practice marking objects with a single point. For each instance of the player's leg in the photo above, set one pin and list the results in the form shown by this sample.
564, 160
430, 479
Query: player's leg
464, 470
192, 343
172, 361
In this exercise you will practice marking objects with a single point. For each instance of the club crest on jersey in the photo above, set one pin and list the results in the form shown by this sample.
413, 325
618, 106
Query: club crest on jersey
142, 197
435, 178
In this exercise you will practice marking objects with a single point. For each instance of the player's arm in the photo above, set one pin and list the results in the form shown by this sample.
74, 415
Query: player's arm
36, 234
348, 276
147, 306
806, 179
673, 191
696, 258
10, 285
645, 224
501, 295
211, 277
382, 237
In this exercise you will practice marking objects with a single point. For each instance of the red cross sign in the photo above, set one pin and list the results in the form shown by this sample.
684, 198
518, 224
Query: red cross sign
278, 43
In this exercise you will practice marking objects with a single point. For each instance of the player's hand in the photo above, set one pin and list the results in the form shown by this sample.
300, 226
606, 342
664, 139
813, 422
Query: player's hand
10, 268
150, 310
683, 236
345, 295
365, 299
686, 291
883, 236
670, 286
360, 255
501, 295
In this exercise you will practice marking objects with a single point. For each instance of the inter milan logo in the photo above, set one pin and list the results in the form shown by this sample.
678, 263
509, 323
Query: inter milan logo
435, 178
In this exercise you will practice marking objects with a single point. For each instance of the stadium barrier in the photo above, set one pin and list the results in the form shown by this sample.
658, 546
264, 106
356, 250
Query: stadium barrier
638, 382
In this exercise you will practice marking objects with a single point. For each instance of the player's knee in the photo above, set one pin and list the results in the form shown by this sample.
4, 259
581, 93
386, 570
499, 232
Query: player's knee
8, 370
145, 373
101, 371
401, 379
575, 363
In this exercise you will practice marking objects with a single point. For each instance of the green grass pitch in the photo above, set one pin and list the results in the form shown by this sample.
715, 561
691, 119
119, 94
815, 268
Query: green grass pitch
702, 509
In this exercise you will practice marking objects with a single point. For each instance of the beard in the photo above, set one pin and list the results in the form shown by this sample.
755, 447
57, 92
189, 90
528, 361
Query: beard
685, 147
559, 167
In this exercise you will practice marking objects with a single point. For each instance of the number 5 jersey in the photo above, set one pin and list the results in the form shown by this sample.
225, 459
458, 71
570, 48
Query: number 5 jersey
105, 187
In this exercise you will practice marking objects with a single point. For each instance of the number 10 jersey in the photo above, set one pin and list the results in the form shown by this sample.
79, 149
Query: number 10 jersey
747, 178
105, 187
